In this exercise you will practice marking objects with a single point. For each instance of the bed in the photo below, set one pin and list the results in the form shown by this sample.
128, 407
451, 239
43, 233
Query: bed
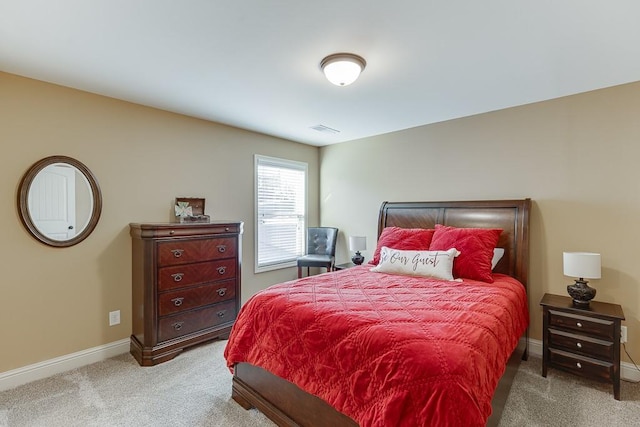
342, 382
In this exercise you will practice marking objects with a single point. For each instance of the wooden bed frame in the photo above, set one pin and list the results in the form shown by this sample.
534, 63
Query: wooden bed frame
287, 405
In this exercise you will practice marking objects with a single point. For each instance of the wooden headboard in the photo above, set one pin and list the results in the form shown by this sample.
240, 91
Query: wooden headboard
512, 216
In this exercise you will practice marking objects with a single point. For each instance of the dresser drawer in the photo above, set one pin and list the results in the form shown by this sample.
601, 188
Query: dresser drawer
192, 321
179, 251
581, 344
581, 324
581, 365
185, 275
186, 299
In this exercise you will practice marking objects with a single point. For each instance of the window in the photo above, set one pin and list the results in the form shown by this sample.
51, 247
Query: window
281, 212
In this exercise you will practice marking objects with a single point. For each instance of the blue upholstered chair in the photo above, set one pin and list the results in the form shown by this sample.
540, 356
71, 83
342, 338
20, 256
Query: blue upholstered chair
321, 249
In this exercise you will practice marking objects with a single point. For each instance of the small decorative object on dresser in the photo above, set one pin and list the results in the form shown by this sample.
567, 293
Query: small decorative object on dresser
357, 244
584, 265
583, 341
190, 209
185, 286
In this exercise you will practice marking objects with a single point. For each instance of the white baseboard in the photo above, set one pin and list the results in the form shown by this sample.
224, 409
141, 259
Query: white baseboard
37, 371
627, 370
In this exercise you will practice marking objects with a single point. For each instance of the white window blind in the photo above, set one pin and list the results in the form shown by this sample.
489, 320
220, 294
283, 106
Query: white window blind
281, 211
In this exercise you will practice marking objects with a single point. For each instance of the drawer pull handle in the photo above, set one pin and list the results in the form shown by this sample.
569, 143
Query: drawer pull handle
222, 270
222, 248
579, 325
222, 291
579, 365
579, 345
177, 277
226, 229
177, 301
221, 313
178, 325
177, 253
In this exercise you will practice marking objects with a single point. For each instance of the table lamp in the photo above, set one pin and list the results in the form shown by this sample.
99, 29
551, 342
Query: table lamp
357, 244
583, 265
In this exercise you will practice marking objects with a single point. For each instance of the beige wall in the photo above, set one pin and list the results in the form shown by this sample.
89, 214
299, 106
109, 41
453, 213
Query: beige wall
56, 301
576, 157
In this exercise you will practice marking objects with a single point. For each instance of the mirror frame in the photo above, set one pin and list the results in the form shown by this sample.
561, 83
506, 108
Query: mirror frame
23, 201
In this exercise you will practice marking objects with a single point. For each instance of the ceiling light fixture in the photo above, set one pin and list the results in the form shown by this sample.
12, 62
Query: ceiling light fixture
342, 69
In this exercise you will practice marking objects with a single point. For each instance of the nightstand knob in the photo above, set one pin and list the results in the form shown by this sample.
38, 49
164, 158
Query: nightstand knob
579, 345
579, 325
578, 365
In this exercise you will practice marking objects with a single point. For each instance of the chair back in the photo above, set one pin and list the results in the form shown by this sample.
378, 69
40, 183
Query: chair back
322, 240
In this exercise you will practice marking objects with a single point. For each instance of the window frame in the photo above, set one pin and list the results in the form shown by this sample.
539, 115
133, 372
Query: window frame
285, 164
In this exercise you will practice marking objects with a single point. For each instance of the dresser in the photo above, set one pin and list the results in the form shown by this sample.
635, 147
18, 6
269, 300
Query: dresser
583, 341
185, 286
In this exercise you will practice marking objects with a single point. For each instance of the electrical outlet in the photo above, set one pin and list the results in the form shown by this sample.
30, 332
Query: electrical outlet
114, 318
623, 334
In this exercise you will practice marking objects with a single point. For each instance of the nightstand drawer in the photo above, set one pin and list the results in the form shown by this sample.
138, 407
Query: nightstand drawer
581, 365
584, 345
582, 324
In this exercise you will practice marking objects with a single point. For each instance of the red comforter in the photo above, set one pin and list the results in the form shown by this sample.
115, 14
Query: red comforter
386, 350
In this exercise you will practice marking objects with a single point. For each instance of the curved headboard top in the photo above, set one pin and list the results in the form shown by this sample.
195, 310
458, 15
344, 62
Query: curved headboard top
512, 216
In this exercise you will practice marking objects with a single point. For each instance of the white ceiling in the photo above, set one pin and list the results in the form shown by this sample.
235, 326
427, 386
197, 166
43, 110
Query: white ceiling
254, 64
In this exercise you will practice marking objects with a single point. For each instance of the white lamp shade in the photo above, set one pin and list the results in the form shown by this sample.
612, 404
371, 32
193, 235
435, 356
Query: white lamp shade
342, 69
357, 243
585, 265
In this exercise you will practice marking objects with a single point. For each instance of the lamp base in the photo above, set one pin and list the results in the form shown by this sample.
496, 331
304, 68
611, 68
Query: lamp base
581, 293
357, 259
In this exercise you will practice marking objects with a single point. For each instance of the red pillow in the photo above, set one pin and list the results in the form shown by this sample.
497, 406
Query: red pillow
475, 246
406, 239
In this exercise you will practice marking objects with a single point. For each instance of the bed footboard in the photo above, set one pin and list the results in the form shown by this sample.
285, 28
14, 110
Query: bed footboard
281, 401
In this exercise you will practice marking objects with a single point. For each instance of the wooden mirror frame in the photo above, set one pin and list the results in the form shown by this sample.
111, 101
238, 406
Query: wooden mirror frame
23, 201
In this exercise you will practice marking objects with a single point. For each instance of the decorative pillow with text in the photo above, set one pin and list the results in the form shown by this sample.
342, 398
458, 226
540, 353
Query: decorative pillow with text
435, 264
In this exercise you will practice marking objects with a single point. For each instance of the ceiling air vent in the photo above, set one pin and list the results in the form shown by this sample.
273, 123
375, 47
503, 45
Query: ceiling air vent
325, 129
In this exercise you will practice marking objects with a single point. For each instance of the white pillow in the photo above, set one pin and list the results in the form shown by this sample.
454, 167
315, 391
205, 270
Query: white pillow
497, 256
436, 264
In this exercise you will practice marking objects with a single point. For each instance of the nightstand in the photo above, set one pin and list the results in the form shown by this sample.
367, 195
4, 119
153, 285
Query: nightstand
343, 266
583, 341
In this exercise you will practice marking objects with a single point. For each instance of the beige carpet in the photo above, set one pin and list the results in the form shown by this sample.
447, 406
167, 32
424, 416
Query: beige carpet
194, 390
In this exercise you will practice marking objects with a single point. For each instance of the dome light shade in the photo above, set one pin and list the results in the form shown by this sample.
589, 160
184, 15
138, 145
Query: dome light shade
342, 69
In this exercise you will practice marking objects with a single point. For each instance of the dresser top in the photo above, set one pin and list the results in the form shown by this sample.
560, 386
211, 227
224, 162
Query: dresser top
176, 229
595, 307
182, 224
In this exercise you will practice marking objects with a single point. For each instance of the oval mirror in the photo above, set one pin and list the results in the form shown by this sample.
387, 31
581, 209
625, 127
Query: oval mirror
59, 201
